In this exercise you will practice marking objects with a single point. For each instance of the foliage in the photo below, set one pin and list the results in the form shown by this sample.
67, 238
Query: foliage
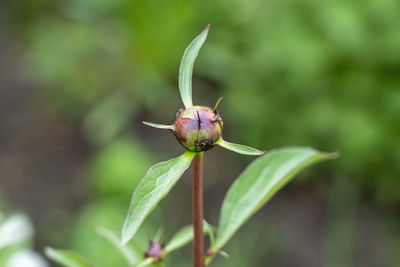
158, 181
258, 183
249, 193
292, 73
67, 258
317, 65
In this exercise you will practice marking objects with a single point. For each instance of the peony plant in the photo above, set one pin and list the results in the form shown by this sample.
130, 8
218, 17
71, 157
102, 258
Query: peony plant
199, 129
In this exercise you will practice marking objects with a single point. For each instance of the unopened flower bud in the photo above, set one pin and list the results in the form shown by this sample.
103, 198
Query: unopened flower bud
155, 251
198, 128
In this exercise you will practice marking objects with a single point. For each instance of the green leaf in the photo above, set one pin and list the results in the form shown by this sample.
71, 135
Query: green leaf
67, 258
258, 183
131, 256
241, 149
180, 239
154, 186
159, 126
186, 67
185, 236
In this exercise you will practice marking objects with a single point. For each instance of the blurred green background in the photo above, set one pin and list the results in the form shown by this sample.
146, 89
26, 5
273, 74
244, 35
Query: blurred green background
77, 77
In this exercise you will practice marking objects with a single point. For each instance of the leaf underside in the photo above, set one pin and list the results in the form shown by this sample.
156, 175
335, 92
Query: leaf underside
186, 67
241, 149
154, 186
258, 183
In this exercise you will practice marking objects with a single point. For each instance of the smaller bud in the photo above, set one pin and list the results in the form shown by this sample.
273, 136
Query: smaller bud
154, 251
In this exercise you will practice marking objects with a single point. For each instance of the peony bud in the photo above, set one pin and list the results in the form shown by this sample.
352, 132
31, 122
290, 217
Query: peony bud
154, 251
198, 128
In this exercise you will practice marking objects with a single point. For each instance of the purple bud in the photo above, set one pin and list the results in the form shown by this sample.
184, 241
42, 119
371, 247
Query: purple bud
198, 128
155, 251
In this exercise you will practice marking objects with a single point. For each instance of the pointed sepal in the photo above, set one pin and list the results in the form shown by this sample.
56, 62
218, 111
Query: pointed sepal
159, 126
186, 67
241, 149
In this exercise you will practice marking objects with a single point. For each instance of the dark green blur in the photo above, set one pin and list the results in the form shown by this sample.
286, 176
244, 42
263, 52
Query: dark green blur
324, 74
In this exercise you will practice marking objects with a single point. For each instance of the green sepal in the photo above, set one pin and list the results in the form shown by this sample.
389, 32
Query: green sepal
241, 149
159, 126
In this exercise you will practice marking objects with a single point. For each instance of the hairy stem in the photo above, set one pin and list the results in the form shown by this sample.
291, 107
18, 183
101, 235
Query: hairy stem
198, 243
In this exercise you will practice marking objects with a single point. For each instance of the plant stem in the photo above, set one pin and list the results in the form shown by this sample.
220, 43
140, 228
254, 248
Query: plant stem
198, 243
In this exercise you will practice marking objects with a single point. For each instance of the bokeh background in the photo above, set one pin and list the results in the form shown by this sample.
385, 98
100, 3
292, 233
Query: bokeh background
77, 77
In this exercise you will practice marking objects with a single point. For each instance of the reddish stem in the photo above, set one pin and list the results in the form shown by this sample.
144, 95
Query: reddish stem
198, 243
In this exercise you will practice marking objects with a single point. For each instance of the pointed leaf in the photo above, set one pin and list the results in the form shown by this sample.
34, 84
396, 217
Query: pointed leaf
186, 67
154, 186
241, 149
131, 256
180, 239
185, 236
159, 126
258, 183
67, 258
